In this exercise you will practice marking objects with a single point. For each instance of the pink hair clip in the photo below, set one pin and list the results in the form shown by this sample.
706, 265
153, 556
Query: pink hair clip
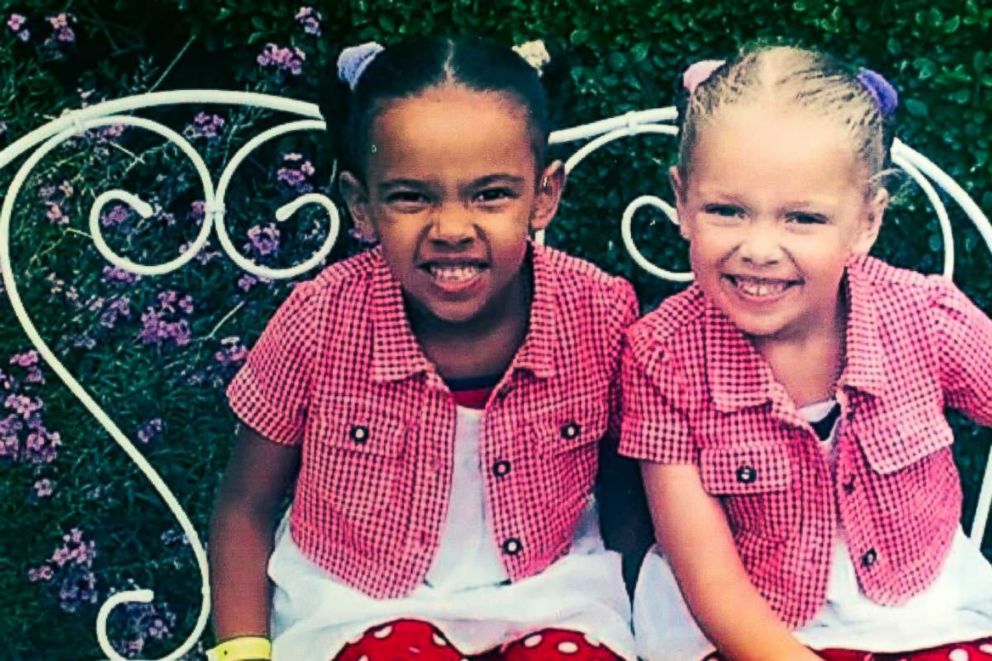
697, 72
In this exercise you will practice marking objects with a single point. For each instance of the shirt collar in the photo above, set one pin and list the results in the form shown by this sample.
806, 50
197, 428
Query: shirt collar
396, 354
739, 377
866, 365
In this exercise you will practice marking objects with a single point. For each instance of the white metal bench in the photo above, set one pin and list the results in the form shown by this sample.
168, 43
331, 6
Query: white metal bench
28, 151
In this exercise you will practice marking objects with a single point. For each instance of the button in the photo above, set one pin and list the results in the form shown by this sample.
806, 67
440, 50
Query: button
359, 434
848, 486
570, 430
869, 558
501, 468
746, 474
512, 546
503, 392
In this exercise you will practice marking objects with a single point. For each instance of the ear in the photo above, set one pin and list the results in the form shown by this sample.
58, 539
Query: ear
678, 189
872, 222
550, 184
357, 198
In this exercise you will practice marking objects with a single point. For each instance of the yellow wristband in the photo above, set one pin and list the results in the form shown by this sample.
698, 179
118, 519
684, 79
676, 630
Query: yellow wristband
241, 648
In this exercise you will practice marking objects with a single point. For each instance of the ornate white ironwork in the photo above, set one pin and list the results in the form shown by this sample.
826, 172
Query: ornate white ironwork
46, 138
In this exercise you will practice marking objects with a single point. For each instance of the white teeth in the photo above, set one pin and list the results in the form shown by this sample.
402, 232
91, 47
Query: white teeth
458, 273
759, 288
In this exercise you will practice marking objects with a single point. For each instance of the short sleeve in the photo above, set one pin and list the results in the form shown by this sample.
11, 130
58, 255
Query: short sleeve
270, 392
964, 346
628, 308
652, 427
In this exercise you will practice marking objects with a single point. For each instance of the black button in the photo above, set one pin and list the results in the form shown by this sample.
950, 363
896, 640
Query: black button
512, 546
746, 474
503, 392
501, 468
848, 486
570, 430
869, 558
359, 434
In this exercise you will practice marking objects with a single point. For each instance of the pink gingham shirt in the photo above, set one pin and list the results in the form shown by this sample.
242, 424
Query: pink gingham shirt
338, 372
696, 391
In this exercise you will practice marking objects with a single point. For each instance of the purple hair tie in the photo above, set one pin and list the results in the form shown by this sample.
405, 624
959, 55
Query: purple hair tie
885, 95
353, 61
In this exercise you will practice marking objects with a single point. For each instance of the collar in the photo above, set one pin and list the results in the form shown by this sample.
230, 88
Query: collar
396, 354
739, 377
866, 365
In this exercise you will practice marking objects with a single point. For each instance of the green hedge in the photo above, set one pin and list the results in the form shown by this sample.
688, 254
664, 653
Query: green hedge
76, 519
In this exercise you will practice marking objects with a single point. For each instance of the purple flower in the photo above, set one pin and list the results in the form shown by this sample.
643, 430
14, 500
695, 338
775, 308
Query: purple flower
44, 488
197, 210
117, 275
143, 622
309, 18
205, 125
42, 446
23, 405
41, 573
9, 447
263, 240
16, 22
55, 213
150, 431
158, 331
118, 307
296, 172
118, 214
61, 29
232, 352
26, 359
288, 59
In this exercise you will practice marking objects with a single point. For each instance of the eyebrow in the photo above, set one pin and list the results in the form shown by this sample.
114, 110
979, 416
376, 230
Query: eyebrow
482, 182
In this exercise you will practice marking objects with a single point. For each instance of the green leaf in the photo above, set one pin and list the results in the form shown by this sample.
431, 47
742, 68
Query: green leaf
916, 107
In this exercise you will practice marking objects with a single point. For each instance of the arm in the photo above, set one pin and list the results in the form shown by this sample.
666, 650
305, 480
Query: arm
964, 346
700, 549
257, 478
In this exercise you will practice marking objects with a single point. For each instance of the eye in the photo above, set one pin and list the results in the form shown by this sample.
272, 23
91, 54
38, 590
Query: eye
801, 218
407, 200
494, 195
723, 210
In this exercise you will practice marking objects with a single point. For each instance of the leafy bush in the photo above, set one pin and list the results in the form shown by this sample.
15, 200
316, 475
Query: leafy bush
77, 521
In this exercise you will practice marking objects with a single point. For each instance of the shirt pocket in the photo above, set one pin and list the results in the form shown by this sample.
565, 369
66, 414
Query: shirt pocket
357, 458
752, 481
567, 440
895, 447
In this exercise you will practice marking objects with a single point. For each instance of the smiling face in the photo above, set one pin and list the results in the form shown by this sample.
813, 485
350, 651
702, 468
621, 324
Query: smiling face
774, 204
452, 191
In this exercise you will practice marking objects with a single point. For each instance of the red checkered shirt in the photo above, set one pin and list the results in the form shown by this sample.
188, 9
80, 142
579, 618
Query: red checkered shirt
695, 391
338, 372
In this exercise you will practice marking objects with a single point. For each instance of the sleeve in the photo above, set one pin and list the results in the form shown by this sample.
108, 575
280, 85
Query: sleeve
964, 346
652, 428
270, 393
629, 310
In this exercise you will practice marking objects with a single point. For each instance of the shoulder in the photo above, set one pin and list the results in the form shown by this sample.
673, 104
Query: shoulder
903, 291
577, 274
673, 326
322, 297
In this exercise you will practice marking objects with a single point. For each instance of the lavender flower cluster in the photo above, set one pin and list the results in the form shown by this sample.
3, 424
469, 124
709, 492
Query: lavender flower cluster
70, 568
167, 323
141, 623
288, 59
24, 438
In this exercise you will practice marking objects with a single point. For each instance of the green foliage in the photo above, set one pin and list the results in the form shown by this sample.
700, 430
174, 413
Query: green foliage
620, 55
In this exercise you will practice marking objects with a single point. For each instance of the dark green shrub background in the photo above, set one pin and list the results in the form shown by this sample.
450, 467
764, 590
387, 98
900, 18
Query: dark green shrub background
620, 55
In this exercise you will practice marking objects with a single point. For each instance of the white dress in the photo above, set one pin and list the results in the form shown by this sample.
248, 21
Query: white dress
466, 594
956, 607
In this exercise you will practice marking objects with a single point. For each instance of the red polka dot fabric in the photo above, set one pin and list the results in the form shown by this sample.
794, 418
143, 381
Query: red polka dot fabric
978, 650
414, 640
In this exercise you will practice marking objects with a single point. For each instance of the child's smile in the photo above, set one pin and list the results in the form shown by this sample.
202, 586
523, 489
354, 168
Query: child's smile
774, 205
452, 192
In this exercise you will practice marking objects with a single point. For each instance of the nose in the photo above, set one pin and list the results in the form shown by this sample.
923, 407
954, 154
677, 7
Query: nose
452, 223
760, 243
